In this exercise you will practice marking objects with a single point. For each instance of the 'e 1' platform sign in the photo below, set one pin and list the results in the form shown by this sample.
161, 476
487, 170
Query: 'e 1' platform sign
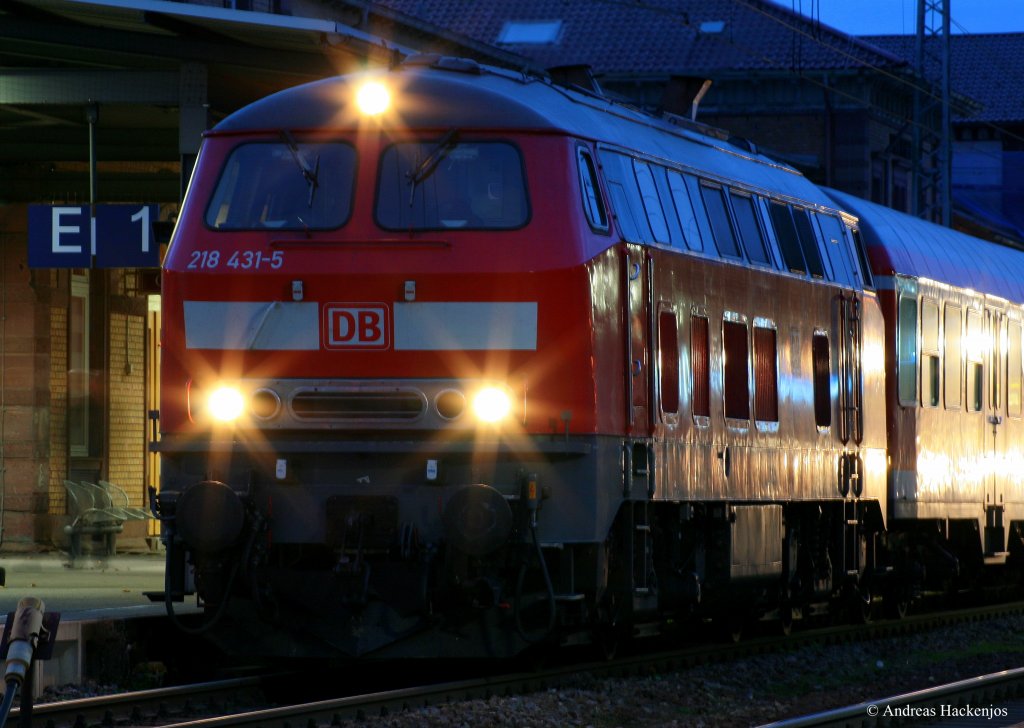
65, 236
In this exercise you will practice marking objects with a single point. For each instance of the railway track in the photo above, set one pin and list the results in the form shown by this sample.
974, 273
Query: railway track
244, 701
150, 707
966, 702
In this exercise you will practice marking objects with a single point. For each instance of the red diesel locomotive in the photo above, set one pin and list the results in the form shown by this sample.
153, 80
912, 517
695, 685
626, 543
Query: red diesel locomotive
458, 361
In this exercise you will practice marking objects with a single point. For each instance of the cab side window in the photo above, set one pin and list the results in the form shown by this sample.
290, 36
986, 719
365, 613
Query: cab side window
593, 205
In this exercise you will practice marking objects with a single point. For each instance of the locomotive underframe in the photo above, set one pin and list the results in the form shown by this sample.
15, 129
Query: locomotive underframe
331, 548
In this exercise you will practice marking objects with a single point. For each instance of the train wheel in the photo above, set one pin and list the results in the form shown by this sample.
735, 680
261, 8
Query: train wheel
611, 634
608, 641
896, 603
730, 626
786, 617
736, 630
861, 603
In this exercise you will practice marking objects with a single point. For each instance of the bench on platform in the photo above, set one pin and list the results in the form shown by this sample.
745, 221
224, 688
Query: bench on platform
90, 518
116, 500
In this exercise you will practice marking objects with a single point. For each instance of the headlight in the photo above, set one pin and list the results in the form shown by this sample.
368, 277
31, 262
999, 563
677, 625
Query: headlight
491, 404
373, 98
225, 404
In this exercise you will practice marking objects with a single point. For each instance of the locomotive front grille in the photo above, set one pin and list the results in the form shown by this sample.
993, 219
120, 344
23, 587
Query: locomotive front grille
377, 406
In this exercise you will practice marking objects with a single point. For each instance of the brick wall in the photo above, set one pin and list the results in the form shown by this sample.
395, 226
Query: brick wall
127, 412
58, 408
25, 370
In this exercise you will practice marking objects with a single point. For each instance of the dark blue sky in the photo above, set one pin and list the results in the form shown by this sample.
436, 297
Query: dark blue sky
873, 17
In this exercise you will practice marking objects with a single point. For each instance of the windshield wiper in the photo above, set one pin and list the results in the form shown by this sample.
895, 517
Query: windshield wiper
429, 163
310, 174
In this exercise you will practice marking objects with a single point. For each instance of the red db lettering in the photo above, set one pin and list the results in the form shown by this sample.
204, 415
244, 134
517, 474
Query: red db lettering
356, 326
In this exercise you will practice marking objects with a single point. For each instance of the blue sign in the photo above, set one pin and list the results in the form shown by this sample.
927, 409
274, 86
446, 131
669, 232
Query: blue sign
66, 236
59, 237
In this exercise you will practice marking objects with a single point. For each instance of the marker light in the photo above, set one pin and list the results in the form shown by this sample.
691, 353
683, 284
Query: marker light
225, 404
373, 98
491, 404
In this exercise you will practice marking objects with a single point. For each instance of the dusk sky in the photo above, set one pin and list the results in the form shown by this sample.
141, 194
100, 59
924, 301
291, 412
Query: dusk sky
874, 17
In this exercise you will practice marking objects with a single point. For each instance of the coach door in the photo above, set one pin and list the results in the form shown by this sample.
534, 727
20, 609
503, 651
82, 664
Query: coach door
851, 380
638, 312
995, 429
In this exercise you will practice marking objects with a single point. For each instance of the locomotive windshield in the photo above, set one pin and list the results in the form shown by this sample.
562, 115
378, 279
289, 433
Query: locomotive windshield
285, 185
468, 185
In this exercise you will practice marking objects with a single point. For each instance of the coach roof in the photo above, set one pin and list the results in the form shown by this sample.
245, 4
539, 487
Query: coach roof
901, 244
441, 94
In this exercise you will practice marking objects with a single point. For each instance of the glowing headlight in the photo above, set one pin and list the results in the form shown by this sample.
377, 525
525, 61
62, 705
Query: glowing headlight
373, 98
491, 404
225, 404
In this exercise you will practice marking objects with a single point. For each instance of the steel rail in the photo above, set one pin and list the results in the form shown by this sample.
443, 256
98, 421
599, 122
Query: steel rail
129, 706
160, 706
384, 703
939, 702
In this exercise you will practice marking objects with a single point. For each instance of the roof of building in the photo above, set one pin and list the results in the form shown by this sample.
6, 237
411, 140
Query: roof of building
984, 67
667, 36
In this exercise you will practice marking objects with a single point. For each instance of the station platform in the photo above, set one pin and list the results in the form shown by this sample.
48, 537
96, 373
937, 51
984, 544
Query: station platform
96, 598
83, 588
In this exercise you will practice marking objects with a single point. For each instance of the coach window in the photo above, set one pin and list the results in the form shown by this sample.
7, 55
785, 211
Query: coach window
721, 225
1013, 369
785, 232
837, 250
736, 367
593, 205
700, 368
976, 348
952, 370
623, 213
684, 211
864, 267
668, 362
766, 373
929, 353
625, 197
809, 242
907, 334
822, 380
749, 229
651, 202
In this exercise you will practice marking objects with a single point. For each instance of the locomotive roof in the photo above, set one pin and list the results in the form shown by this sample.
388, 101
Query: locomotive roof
898, 243
441, 94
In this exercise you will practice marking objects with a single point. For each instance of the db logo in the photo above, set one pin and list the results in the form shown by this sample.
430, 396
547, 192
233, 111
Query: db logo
356, 326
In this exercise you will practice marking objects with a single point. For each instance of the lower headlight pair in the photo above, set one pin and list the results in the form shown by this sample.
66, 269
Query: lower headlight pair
225, 403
